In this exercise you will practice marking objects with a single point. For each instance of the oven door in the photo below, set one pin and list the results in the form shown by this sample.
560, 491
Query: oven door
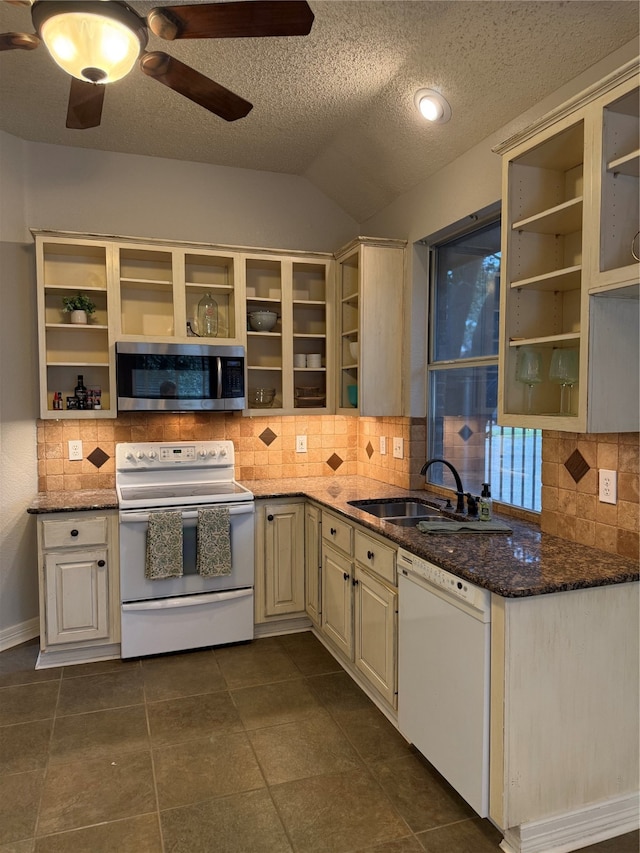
133, 544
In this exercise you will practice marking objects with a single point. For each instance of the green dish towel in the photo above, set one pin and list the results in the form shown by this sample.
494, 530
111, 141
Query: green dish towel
164, 546
463, 527
214, 542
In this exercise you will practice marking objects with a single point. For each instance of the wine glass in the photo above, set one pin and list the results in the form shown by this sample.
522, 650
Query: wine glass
529, 371
564, 370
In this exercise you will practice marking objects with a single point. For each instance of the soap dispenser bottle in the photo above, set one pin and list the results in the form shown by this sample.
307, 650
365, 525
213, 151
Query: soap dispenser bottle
485, 503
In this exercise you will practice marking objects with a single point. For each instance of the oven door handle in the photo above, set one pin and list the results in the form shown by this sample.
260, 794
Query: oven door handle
187, 600
129, 517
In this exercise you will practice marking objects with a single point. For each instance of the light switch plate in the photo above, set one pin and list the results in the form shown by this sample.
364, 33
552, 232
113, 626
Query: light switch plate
398, 448
383, 445
301, 444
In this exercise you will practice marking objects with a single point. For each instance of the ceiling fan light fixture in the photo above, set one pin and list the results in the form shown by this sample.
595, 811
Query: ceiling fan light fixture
96, 41
432, 105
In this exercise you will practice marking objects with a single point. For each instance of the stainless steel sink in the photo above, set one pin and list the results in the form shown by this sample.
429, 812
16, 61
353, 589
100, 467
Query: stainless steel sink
404, 513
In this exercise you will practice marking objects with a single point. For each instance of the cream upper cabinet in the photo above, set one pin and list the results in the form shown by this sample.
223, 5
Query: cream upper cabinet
66, 268
569, 310
370, 287
289, 367
159, 288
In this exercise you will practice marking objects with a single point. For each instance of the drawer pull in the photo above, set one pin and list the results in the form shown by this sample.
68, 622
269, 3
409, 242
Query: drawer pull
74, 532
269, 518
369, 555
355, 582
333, 531
101, 563
345, 576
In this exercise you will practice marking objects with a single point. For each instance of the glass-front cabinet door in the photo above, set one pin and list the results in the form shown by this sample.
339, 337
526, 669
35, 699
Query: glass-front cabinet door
289, 342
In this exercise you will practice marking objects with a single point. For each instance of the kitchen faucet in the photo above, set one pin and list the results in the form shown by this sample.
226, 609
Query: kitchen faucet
459, 489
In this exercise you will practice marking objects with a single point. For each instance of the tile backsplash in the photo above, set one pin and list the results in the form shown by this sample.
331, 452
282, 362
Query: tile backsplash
338, 445
570, 505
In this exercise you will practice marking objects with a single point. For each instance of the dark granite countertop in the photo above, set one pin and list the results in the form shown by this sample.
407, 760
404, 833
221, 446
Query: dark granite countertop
77, 501
522, 563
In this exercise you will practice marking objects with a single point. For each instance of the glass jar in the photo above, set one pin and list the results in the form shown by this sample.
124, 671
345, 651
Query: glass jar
207, 317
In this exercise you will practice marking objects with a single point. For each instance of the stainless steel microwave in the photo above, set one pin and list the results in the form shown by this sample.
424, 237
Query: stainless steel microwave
179, 377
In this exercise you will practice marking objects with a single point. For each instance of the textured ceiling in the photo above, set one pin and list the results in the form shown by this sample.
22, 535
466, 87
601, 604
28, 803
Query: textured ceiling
335, 106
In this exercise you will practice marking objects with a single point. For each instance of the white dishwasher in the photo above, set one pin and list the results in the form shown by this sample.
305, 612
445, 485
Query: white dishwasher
443, 674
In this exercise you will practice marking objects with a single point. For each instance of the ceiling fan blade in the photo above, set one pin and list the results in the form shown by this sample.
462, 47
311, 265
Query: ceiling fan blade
252, 19
85, 104
195, 86
18, 41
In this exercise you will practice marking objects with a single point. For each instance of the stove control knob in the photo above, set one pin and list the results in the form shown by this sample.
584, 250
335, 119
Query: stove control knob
152, 454
140, 454
128, 455
223, 451
203, 454
213, 453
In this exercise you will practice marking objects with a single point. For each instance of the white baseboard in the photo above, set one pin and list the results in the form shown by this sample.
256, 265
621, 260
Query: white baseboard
576, 829
16, 634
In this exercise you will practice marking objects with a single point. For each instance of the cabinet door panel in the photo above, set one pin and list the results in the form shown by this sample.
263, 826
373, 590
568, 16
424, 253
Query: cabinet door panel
337, 618
285, 561
313, 562
375, 634
76, 596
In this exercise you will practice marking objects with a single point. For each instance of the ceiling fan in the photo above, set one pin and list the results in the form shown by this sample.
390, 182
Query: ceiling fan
99, 41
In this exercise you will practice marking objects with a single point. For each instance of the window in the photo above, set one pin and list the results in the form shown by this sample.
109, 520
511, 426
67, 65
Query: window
463, 374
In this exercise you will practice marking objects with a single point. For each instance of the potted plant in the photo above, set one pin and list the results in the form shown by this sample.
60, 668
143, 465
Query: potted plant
79, 306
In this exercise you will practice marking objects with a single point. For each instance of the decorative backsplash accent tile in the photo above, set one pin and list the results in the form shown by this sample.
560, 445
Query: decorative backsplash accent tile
334, 461
268, 436
577, 466
98, 457
465, 432
369, 449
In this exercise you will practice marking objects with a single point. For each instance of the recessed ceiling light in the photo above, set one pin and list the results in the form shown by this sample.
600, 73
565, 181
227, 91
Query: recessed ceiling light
432, 105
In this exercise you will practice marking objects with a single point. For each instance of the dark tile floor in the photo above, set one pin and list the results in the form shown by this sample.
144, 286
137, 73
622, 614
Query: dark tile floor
261, 748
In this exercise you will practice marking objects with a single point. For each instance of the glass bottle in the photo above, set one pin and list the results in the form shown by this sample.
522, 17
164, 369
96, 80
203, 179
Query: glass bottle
81, 393
207, 317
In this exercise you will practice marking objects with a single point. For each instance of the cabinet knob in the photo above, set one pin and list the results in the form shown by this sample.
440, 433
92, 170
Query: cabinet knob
101, 563
269, 518
355, 582
345, 576
369, 555
74, 532
333, 531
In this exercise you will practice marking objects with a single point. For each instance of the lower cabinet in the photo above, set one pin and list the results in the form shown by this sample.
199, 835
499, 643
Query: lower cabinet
313, 562
79, 587
360, 604
280, 560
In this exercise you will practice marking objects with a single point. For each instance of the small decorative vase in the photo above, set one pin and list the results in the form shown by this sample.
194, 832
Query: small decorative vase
79, 317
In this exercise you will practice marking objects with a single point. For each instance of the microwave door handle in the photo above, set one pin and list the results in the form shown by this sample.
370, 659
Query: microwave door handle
218, 377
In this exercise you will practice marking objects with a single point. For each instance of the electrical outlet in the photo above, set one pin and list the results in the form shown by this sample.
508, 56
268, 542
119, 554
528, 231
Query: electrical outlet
398, 449
383, 445
301, 444
75, 450
608, 486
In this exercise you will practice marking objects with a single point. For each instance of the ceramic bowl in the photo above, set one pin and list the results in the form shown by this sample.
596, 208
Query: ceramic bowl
353, 350
352, 394
262, 321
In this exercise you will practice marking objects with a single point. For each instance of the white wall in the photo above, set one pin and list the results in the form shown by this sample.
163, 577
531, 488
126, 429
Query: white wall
18, 406
76, 189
